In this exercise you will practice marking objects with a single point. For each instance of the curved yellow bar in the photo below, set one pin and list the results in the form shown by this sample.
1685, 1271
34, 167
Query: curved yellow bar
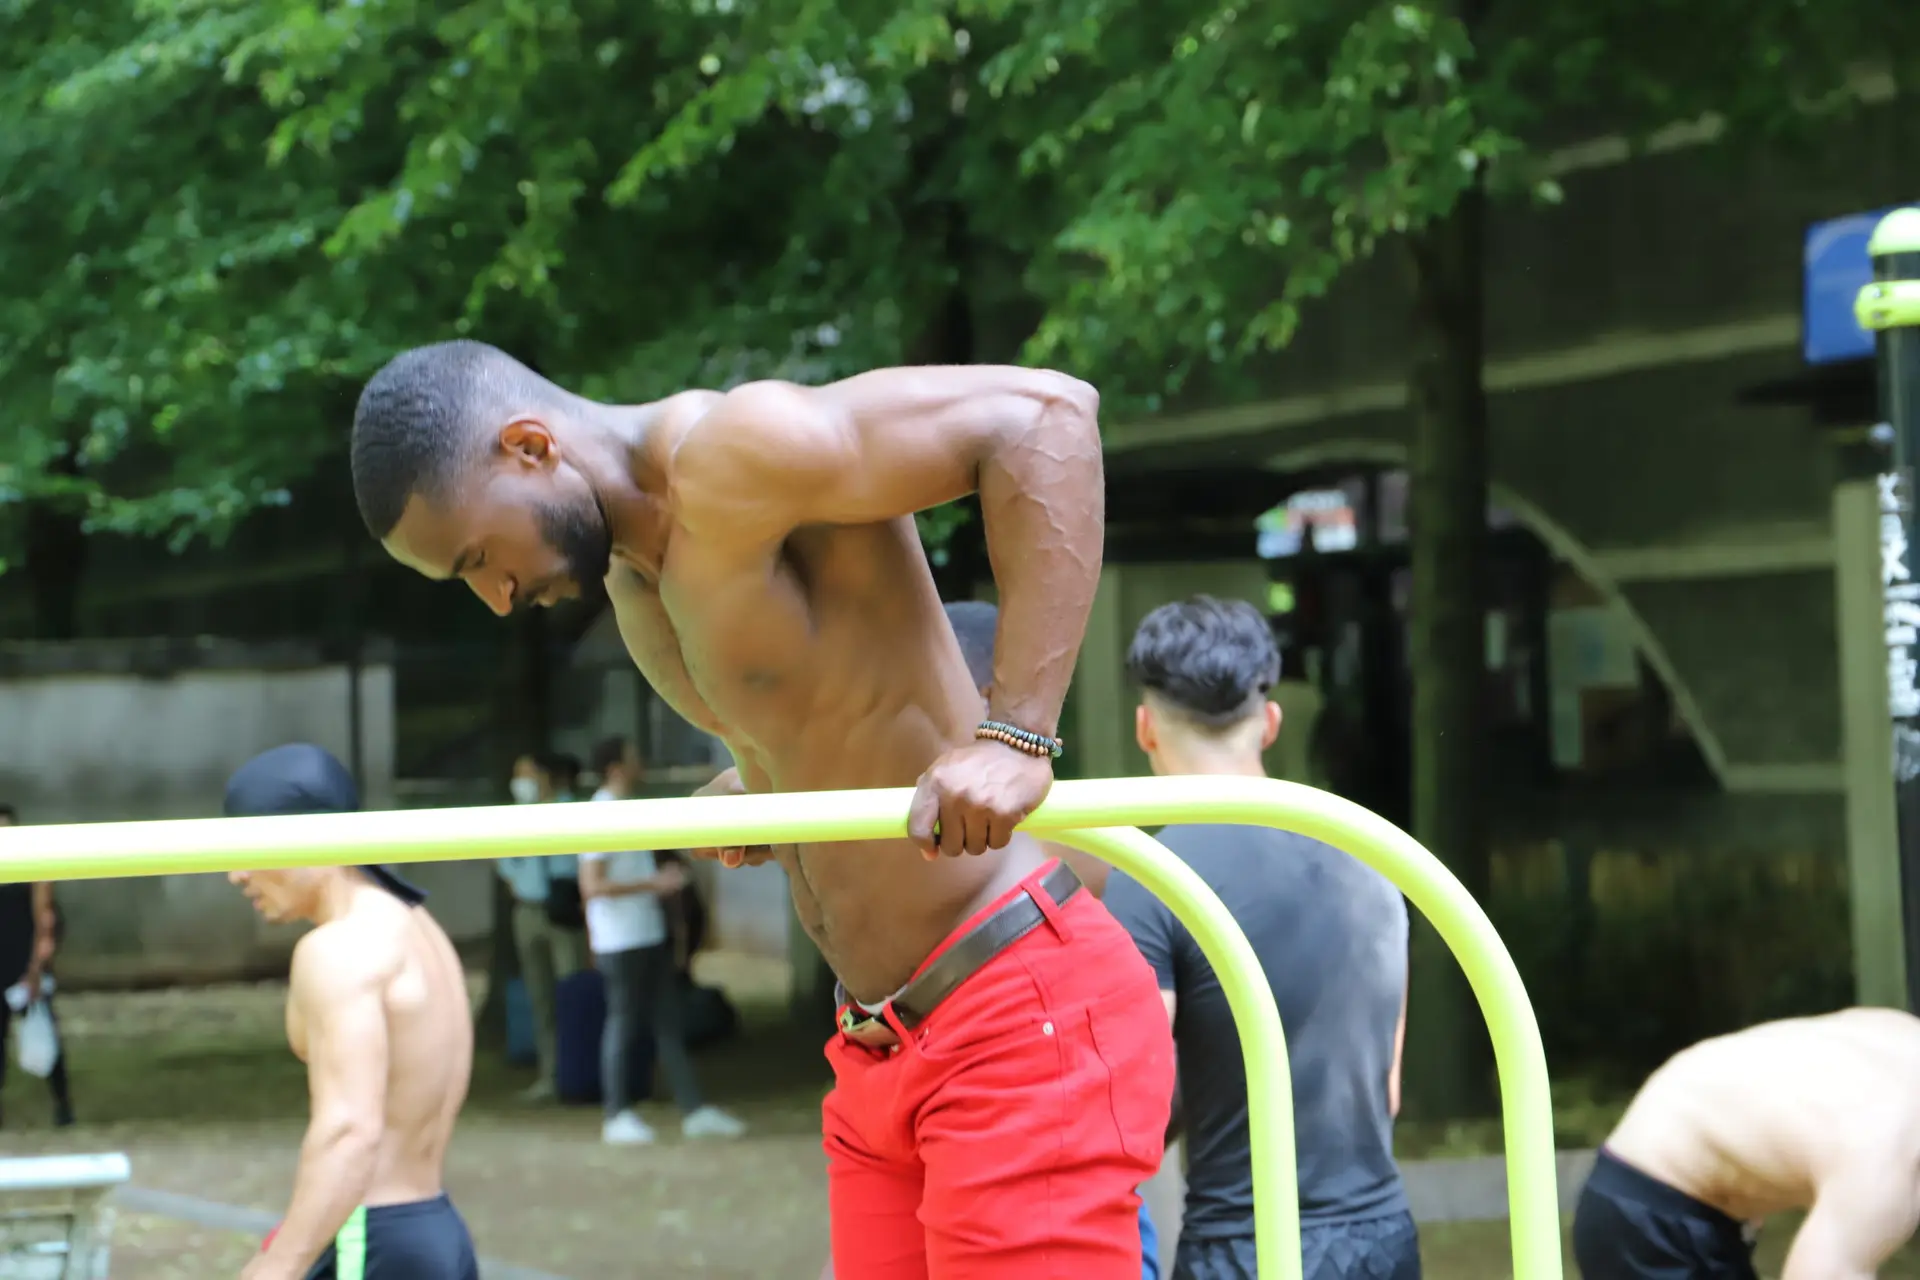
1263, 1043
203, 845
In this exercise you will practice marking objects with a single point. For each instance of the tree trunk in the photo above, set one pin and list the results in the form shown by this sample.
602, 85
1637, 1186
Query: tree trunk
55, 552
1446, 1057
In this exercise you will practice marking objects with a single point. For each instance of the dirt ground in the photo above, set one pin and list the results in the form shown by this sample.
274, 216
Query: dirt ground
198, 1088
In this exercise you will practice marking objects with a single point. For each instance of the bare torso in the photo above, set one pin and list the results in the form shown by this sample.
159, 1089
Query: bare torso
429, 1041
833, 668
1757, 1122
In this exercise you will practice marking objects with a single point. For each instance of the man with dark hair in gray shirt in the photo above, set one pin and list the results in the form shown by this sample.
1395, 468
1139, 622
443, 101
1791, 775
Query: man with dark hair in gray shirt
1331, 934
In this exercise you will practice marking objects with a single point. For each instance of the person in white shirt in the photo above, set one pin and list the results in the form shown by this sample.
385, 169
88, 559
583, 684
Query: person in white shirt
627, 928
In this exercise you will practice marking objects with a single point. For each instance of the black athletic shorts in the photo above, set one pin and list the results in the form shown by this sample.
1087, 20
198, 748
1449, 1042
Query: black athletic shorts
1629, 1226
425, 1240
1386, 1248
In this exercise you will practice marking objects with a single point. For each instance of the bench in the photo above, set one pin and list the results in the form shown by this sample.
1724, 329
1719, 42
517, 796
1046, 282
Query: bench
56, 1221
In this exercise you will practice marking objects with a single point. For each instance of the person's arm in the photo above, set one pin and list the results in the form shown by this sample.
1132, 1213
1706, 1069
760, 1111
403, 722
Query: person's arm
772, 457
1859, 1220
336, 996
595, 884
739, 780
1399, 1048
45, 929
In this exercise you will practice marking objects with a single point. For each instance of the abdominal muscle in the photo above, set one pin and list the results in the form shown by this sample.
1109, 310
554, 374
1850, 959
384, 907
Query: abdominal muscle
877, 909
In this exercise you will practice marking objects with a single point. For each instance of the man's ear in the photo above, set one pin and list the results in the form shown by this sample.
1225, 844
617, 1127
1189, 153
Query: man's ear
1272, 728
529, 442
1145, 731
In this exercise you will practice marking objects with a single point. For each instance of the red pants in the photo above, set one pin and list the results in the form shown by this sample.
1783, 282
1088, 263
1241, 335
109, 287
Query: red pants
1006, 1136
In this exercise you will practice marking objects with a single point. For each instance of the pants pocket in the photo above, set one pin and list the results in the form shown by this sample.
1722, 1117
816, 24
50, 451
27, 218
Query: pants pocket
1136, 1053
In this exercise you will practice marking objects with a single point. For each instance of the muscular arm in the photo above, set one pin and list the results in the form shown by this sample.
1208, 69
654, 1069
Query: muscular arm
772, 457
336, 998
1859, 1220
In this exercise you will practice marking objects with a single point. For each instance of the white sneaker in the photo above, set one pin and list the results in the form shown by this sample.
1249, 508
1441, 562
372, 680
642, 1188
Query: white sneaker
626, 1130
711, 1122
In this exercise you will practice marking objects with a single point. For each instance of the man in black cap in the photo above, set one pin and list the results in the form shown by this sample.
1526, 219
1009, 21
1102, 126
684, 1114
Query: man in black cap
377, 1009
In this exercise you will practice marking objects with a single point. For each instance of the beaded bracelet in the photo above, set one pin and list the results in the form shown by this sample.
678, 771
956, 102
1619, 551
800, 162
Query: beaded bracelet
1034, 744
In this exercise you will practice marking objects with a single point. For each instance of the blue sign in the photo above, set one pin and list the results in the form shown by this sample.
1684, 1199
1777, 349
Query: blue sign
1836, 268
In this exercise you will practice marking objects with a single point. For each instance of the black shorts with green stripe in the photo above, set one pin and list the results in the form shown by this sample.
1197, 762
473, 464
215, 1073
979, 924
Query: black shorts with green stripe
424, 1240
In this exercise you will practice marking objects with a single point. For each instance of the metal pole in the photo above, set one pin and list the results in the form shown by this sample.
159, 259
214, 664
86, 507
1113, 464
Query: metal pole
1889, 308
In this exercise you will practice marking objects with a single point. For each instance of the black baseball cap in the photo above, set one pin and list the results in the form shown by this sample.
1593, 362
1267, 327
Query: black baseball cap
302, 778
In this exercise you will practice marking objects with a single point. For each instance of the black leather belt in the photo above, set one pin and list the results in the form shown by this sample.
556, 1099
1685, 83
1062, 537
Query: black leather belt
967, 956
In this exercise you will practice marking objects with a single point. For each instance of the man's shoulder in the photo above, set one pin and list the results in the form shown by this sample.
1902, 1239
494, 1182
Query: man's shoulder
1240, 861
361, 947
1214, 841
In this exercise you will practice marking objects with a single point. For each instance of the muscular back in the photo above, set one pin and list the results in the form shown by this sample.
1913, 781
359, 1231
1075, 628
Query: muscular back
825, 664
1769, 1118
411, 981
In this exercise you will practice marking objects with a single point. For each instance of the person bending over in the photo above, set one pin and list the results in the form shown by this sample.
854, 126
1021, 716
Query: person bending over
377, 1008
759, 549
1331, 935
1821, 1114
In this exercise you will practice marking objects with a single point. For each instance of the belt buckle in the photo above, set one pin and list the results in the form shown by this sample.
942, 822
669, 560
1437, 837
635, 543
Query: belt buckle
868, 1029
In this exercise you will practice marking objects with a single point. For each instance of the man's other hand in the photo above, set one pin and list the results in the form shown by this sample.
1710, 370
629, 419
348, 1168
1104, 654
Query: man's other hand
727, 783
972, 798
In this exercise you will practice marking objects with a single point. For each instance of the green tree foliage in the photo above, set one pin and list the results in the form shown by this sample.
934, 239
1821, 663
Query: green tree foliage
222, 213
1239, 155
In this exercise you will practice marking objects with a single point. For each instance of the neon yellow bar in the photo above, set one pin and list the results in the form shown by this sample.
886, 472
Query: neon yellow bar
208, 845
1263, 1042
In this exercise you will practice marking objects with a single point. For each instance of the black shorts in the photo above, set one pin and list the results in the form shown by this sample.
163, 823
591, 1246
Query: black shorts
1386, 1248
1629, 1226
424, 1240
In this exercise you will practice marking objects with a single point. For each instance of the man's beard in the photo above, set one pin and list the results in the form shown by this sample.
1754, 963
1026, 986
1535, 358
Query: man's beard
579, 533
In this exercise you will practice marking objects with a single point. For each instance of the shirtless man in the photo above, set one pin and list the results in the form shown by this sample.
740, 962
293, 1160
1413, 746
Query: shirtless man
377, 1009
1818, 1113
997, 1100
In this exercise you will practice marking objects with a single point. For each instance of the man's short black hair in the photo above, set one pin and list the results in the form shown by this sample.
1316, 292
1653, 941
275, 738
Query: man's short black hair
607, 753
8, 812
974, 624
424, 417
1212, 660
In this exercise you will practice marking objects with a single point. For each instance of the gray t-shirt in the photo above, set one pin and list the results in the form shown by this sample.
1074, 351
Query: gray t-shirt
1331, 934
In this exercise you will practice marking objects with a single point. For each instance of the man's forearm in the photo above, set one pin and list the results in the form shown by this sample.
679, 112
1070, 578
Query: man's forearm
1043, 505
336, 1167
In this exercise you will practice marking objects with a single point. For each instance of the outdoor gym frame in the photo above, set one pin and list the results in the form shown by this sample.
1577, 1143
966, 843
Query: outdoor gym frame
1101, 817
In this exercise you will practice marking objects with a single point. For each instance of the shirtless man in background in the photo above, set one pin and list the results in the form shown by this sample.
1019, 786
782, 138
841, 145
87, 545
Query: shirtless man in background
377, 1009
1821, 1114
1003, 1064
